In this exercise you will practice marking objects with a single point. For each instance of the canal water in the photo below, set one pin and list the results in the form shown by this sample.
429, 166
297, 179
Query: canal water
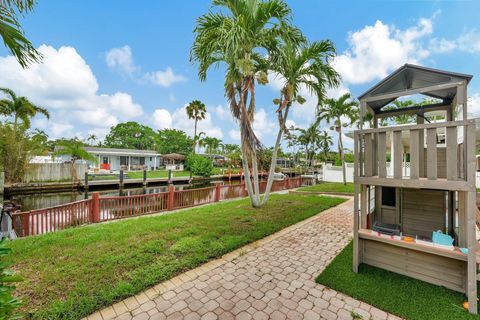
45, 200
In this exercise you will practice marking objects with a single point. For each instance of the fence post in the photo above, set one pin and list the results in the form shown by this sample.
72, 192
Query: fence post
171, 197
144, 177
86, 181
95, 207
170, 176
121, 179
217, 191
26, 223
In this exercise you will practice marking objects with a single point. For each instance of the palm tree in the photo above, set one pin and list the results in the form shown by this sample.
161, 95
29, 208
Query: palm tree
212, 144
196, 110
75, 149
12, 33
401, 118
235, 33
341, 112
20, 108
91, 139
325, 141
309, 138
301, 66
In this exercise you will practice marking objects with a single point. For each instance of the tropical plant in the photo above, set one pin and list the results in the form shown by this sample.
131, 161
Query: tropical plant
12, 33
91, 139
212, 144
75, 149
8, 303
309, 138
401, 118
340, 112
20, 108
196, 110
131, 135
16, 150
199, 165
301, 66
173, 141
324, 143
235, 33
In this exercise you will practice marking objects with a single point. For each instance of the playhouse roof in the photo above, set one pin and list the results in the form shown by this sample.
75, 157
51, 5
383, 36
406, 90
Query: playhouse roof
411, 77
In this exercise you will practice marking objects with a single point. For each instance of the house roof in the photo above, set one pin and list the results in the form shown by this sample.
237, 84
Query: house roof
121, 152
173, 156
411, 77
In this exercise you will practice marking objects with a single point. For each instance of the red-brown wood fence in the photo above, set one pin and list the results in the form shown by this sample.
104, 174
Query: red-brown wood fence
99, 209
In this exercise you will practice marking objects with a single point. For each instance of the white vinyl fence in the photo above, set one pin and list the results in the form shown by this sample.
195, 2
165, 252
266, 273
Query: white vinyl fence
50, 172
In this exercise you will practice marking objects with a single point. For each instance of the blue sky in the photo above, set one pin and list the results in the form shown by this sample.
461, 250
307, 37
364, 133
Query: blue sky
113, 61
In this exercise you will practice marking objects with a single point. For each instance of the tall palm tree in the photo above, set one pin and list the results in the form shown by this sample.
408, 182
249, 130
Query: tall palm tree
20, 108
196, 110
235, 33
304, 65
340, 112
12, 33
75, 149
325, 142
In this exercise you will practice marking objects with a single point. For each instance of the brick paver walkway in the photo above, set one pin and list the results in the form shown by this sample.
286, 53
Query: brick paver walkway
273, 278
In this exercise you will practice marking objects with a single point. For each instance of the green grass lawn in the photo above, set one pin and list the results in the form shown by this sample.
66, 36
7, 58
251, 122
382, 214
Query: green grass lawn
330, 187
72, 273
392, 292
157, 174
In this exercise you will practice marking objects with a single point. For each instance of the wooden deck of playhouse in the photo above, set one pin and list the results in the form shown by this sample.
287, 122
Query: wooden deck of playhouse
438, 192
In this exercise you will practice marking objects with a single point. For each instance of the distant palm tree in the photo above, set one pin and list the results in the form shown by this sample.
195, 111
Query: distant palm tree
91, 139
235, 33
309, 138
76, 150
325, 141
12, 33
212, 144
20, 108
196, 110
401, 118
342, 112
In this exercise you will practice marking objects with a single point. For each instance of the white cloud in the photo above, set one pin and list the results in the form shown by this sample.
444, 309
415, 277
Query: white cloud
262, 125
221, 112
121, 59
468, 41
162, 119
164, 78
67, 87
473, 105
234, 134
377, 50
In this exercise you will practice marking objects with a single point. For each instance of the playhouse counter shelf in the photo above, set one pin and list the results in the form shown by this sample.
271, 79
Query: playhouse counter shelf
448, 253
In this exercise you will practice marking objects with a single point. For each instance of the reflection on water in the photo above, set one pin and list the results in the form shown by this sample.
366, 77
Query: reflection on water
45, 200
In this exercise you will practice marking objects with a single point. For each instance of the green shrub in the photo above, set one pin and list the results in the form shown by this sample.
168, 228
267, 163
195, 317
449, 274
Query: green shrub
8, 304
200, 166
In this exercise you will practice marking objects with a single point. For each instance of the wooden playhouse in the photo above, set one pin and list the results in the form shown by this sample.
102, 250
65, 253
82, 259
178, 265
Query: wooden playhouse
414, 211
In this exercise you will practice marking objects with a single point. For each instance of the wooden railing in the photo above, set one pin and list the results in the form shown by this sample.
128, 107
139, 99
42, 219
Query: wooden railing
100, 209
431, 164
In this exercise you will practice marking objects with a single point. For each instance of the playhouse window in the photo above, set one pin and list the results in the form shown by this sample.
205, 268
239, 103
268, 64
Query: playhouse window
388, 196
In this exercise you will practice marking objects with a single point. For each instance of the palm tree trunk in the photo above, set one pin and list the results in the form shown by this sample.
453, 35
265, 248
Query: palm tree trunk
273, 163
15, 121
195, 137
342, 155
248, 181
